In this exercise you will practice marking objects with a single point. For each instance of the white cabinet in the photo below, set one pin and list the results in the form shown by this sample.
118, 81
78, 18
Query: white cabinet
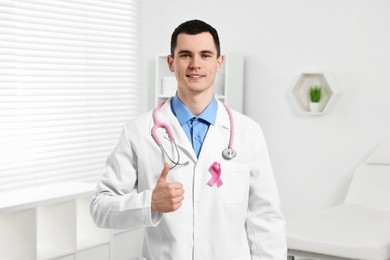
88, 235
55, 229
228, 87
17, 236
53, 223
122, 240
96, 253
69, 257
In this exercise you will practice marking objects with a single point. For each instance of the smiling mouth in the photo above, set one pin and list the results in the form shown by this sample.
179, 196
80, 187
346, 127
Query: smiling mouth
195, 76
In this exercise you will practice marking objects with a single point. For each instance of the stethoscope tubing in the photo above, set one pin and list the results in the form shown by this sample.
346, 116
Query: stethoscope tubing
228, 153
231, 138
157, 124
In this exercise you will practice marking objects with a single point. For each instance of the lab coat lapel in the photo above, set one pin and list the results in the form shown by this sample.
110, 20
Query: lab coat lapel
165, 115
217, 137
222, 120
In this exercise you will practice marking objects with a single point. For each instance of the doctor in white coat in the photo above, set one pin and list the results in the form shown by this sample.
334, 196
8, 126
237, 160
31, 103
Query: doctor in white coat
207, 207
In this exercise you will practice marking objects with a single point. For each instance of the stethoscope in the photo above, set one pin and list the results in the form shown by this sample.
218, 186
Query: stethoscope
227, 153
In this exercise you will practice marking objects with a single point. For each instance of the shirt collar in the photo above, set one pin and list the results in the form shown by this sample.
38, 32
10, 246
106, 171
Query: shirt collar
183, 114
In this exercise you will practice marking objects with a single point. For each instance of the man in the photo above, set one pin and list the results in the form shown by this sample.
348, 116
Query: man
199, 205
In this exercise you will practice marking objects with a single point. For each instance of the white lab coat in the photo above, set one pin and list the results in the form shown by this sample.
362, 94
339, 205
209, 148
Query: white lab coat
239, 220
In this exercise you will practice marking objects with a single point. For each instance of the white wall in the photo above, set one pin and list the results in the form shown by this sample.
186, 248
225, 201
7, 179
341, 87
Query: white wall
313, 157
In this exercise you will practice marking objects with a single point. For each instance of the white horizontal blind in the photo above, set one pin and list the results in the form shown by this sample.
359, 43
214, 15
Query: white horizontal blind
69, 81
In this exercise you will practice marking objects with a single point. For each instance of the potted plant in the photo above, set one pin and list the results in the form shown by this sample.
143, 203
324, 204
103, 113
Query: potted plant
315, 93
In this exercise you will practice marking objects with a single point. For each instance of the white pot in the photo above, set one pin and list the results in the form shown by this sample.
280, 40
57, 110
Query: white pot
314, 107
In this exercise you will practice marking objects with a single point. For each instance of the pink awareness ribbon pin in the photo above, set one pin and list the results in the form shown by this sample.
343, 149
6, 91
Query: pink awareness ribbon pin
215, 170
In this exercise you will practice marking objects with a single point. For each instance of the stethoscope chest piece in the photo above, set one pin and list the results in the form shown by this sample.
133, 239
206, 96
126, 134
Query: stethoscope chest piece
229, 153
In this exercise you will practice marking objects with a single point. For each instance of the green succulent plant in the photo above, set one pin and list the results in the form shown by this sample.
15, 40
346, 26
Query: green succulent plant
315, 93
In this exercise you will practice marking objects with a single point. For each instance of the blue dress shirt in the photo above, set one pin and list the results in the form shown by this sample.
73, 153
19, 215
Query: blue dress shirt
195, 127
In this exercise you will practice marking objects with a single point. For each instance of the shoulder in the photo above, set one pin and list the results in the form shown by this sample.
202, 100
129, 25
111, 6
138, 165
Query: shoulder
244, 123
139, 124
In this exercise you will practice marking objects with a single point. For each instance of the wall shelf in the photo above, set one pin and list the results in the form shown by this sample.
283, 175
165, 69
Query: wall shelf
300, 92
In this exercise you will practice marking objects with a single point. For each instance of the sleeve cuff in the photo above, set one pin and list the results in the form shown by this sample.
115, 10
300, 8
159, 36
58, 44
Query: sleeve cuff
154, 216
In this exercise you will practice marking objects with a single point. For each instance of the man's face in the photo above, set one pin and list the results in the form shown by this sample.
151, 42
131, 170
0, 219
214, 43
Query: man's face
195, 64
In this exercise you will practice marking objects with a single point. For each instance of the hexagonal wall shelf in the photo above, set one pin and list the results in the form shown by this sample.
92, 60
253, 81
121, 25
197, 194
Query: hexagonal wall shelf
330, 92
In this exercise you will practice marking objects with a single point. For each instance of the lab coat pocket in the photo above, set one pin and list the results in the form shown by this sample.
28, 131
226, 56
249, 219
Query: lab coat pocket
235, 178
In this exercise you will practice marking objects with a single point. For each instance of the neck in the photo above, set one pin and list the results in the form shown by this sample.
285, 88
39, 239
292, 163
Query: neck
196, 103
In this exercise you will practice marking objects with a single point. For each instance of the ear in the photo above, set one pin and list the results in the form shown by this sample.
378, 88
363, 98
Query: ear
220, 61
170, 63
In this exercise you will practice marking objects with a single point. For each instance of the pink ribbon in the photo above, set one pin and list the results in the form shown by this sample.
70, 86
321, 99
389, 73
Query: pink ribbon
215, 170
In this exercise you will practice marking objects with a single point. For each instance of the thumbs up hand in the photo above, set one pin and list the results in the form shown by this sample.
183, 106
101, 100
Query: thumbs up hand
167, 197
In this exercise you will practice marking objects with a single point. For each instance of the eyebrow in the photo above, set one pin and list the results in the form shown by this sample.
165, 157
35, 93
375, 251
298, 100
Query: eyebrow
207, 52
183, 52
202, 52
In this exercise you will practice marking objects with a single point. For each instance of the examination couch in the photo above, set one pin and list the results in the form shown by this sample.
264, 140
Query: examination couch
357, 229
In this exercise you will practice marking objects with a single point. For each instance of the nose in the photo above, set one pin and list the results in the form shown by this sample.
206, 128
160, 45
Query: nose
195, 62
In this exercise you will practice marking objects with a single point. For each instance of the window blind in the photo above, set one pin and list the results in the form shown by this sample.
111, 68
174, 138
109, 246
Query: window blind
69, 81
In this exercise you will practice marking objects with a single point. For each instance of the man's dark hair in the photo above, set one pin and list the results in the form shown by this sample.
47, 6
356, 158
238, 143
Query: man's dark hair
194, 27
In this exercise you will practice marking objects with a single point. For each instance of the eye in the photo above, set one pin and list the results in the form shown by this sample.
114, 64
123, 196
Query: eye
185, 55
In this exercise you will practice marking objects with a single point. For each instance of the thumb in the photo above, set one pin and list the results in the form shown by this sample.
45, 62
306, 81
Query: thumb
164, 173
